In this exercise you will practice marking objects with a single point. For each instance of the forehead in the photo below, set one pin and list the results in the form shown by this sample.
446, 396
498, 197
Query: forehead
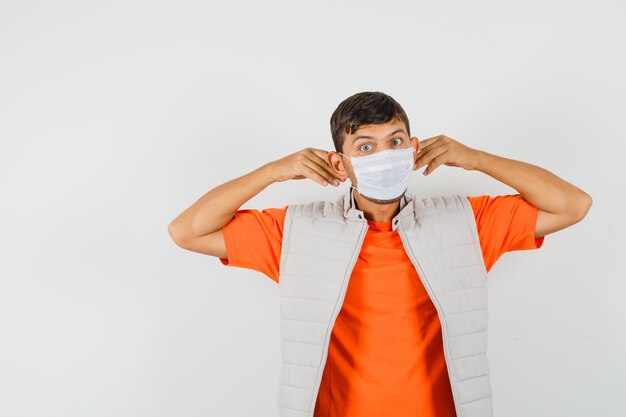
379, 130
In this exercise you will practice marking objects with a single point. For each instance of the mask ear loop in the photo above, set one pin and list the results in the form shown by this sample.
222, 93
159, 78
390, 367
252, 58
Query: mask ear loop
350, 158
351, 192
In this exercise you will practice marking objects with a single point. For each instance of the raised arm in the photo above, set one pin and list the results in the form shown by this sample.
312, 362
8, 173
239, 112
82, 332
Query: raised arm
199, 227
559, 203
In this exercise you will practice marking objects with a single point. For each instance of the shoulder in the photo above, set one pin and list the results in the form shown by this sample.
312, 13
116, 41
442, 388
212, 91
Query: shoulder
318, 209
445, 202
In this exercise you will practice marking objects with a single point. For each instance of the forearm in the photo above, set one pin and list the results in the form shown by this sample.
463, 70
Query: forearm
218, 206
538, 186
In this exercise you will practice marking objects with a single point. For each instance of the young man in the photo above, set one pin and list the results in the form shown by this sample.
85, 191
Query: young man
383, 293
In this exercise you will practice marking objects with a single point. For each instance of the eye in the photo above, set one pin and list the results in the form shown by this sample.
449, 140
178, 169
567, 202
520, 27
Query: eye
398, 139
362, 146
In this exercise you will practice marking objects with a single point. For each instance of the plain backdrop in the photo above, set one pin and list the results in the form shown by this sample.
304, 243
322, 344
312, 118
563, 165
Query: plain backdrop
115, 116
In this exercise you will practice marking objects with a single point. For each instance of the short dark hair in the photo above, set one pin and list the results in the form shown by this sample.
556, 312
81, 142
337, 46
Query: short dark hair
365, 108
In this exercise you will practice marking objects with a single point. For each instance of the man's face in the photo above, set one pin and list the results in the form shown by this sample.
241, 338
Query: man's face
369, 139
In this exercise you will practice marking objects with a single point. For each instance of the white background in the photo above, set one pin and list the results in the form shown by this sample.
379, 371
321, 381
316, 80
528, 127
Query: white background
115, 116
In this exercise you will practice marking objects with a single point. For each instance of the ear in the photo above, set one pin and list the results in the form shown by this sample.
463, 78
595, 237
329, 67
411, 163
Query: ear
334, 159
416, 145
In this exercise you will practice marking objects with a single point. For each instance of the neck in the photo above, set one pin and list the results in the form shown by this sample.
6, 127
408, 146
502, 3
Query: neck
376, 212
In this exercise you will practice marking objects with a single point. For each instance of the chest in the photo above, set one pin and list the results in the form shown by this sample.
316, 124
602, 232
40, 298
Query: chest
384, 281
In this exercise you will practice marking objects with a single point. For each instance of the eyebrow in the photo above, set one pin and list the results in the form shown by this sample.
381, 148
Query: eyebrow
369, 137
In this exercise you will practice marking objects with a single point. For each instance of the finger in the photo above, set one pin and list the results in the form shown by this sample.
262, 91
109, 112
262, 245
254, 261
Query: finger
425, 158
322, 172
319, 152
435, 163
320, 159
314, 175
325, 169
328, 173
431, 145
426, 142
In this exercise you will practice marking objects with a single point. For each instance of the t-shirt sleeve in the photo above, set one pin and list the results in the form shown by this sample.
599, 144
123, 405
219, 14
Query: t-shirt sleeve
253, 240
505, 223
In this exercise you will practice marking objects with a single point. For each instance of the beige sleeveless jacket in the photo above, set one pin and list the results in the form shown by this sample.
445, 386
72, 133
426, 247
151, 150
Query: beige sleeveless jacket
321, 244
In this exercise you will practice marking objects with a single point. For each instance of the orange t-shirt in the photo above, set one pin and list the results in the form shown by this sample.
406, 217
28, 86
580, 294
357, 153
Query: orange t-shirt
385, 355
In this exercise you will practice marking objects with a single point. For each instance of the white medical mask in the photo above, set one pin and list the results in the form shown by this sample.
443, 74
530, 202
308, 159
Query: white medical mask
383, 175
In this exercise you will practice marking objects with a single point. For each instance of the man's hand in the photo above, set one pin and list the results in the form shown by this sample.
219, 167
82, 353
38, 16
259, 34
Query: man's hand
559, 203
441, 149
306, 163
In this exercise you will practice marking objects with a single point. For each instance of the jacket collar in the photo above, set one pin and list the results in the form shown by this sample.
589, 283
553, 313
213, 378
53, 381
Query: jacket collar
351, 212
